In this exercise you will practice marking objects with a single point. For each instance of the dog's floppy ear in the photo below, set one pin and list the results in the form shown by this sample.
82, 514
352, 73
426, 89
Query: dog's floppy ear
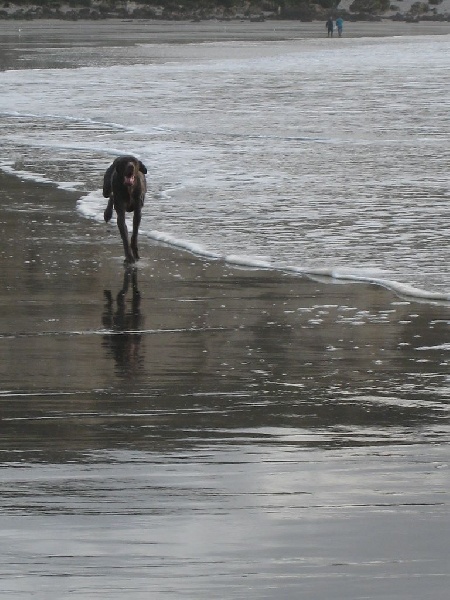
142, 168
107, 188
119, 165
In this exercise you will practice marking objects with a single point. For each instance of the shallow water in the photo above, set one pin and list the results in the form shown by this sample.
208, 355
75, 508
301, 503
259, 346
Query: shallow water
314, 155
189, 429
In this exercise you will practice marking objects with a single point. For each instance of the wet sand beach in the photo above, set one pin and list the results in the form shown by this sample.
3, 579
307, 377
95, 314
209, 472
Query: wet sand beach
191, 429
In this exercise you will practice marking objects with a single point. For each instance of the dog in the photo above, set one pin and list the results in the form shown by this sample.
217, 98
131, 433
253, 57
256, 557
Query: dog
124, 185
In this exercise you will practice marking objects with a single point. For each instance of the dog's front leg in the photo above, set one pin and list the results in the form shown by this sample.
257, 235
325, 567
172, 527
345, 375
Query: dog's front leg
122, 225
136, 223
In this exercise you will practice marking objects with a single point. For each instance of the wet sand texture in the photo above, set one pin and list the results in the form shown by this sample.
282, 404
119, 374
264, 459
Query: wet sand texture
191, 430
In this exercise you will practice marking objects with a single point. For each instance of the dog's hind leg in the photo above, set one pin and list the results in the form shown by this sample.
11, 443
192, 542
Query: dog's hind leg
122, 225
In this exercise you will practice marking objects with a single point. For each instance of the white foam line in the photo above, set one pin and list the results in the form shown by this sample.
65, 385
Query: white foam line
70, 186
193, 248
439, 347
157, 129
401, 289
68, 118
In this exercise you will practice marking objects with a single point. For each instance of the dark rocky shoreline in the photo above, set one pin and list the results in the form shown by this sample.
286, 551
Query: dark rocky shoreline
75, 10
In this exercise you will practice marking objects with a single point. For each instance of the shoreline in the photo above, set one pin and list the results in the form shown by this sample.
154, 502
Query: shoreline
396, 290
63, 33
109, 235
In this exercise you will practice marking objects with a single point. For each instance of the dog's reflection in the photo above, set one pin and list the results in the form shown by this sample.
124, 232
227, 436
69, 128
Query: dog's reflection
124, 322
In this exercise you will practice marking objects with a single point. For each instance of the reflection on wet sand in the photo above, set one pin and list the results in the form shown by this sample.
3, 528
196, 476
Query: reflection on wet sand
123, 323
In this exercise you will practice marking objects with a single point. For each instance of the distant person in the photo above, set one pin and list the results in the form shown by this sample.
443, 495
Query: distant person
340, 25
330, 27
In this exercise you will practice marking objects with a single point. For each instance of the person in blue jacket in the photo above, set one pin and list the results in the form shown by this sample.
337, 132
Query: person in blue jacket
340, 25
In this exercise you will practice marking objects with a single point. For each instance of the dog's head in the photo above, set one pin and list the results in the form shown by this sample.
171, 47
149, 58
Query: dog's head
127, 169
123, 171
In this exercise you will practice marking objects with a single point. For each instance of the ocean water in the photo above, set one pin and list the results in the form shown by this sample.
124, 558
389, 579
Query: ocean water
327, 157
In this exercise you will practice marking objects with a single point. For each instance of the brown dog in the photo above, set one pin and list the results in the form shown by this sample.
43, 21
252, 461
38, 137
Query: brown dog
125, 186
